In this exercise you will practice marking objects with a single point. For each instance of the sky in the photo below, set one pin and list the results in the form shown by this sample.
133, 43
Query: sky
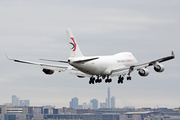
31, 30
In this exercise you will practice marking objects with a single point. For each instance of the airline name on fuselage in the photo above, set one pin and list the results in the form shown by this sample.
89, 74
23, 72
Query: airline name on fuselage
125, 61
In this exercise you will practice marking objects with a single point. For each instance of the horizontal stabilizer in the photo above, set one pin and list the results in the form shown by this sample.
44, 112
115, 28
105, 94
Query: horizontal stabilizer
86, 60
54, 60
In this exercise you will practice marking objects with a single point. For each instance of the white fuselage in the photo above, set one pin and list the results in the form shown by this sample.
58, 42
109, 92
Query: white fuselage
104, 64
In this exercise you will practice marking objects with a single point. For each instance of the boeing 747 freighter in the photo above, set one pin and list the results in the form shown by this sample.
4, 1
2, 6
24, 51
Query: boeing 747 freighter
99, 68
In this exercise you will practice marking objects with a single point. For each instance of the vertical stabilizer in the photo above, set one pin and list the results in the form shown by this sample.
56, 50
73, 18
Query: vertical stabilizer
73, 46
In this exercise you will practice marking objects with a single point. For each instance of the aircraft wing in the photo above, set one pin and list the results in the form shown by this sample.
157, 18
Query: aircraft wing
59, 68
172, 56
128, 70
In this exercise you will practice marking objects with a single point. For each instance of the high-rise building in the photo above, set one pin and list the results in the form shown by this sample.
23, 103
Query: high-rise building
74, 103
15, 100
108, 99
24, 103
94, 104
106, 103
112, 102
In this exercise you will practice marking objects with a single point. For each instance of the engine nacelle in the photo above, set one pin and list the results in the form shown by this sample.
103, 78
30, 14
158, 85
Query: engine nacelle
143, 72
48, 72
159, 68
80, 76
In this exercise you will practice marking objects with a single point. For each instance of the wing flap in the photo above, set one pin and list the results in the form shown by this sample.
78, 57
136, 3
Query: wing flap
54, 60
120, 72
54, 67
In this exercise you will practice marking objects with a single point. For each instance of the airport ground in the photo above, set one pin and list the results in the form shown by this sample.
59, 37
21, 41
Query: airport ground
41, 113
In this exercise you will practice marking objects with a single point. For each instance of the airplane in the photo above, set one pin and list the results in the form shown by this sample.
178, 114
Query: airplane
99, 68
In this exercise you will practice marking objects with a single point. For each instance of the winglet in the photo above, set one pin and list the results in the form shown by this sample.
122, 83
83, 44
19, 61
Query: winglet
7, 57
173, 54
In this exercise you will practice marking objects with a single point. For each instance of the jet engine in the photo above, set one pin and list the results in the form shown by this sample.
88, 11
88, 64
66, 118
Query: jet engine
143, 72
159, 68
80, 76
48, 72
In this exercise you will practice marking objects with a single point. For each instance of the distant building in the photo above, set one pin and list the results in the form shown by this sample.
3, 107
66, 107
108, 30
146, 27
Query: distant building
112, 102
94, 104
87, 106
8, 104
108, 99
24, 103
103, 105
80, 106
15, 100
74, 103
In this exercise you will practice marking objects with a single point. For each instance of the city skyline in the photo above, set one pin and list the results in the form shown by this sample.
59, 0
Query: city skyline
94, 103
33, 30
17, 102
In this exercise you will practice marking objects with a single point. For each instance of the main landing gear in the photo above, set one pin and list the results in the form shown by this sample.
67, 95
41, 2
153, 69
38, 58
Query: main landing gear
99, 80
108, 80
93, 80
129, 78
121, 78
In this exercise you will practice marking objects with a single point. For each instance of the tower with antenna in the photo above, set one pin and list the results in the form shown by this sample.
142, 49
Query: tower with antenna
108, 99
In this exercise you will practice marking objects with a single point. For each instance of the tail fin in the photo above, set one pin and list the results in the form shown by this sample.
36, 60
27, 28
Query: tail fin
73, 46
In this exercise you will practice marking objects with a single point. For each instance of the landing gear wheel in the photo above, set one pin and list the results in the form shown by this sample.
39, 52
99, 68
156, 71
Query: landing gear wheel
92, 80
108, 80
120, 79
98, 80
129, 78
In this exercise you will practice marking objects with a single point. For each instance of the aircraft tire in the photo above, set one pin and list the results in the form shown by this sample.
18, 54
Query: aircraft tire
121, 81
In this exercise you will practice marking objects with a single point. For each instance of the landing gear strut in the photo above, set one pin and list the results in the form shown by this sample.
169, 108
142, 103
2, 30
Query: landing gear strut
130, 70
